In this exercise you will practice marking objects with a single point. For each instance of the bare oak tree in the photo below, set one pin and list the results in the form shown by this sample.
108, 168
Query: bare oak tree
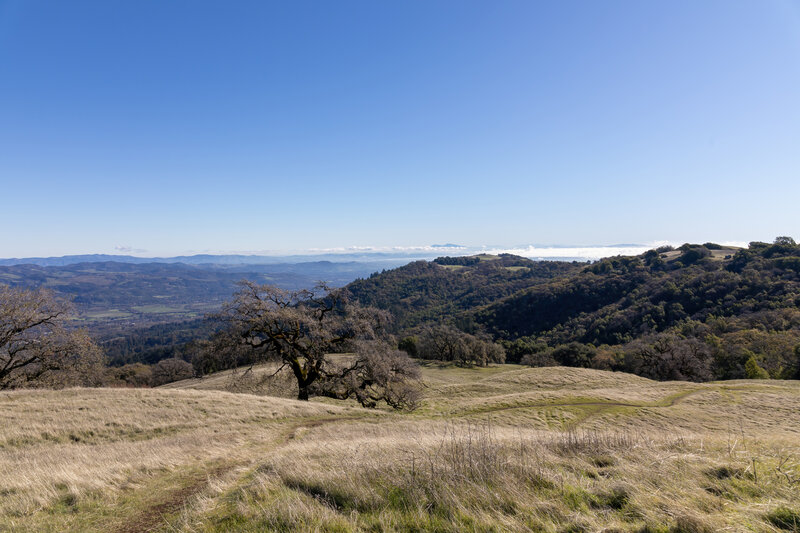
446, 343
300, 329
36, 348
377, 372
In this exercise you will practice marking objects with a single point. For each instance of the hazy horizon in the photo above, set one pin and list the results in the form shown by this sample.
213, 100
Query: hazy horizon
534, 251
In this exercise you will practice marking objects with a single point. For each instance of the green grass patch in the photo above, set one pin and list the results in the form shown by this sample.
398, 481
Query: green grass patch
109, 313
785, 518
158, 309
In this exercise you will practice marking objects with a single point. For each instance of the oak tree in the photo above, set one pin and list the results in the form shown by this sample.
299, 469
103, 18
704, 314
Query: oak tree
301, 329
36, 347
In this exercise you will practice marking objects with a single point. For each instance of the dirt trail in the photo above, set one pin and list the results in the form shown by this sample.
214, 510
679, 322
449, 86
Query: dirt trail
156, 517
669, 401
314, 423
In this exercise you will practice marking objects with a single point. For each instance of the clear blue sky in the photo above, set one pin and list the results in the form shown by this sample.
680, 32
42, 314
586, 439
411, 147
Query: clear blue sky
183, 126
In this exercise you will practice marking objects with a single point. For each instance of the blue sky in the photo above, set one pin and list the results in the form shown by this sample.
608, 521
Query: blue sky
176, 127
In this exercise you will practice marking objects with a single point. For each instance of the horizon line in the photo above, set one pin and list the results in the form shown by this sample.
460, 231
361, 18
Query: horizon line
525, 250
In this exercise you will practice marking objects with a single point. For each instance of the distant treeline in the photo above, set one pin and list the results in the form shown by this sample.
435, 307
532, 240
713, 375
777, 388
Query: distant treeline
460, 261
151, 344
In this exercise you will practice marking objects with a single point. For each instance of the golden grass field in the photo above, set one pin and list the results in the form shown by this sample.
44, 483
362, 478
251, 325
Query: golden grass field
506, 448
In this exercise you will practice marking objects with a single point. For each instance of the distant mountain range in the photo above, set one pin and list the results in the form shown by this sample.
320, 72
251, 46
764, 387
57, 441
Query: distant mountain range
391, 256
208, 259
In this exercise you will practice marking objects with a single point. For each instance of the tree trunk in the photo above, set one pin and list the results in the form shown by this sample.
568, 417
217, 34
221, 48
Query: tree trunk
303, 394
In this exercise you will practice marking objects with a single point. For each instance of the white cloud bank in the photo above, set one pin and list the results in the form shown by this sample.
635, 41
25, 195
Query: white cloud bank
533, 251
591, 252
125, 249
582, 252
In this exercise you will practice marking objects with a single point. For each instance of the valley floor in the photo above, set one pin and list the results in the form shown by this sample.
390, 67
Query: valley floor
506, 448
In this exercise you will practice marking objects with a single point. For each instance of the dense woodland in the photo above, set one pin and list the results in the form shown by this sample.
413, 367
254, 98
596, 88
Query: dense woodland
151, 344
425, 292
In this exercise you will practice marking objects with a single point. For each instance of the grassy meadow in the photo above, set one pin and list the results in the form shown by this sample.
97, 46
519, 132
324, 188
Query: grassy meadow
505, 448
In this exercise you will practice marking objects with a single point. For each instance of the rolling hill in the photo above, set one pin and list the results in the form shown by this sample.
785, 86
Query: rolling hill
503, 448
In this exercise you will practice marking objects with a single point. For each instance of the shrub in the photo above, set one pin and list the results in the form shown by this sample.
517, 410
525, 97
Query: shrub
753, 371
574, 354
409, 345
539, 359
693, 255
169, 370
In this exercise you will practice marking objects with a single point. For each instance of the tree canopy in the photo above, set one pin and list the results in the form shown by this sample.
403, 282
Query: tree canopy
301, 329
36, 347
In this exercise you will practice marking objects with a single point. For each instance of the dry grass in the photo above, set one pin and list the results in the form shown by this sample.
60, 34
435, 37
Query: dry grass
499, 449
461, 477
70, 442
257, 379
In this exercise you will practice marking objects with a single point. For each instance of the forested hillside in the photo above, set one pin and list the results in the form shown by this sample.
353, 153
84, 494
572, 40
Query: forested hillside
448, 288
153, 343
698, 312
618, 299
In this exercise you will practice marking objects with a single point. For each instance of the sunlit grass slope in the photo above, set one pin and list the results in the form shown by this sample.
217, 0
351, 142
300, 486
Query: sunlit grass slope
500, 449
